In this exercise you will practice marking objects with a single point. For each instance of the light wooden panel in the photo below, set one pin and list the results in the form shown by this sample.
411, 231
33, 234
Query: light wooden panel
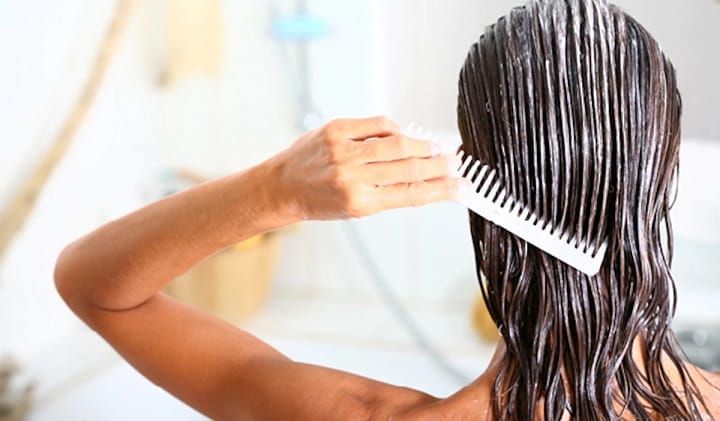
194, 39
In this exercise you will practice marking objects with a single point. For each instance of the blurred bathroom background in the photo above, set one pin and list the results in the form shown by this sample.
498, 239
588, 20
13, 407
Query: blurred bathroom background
200, 88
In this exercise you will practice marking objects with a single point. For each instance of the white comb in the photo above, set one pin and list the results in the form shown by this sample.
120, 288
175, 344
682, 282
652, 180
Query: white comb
490, 200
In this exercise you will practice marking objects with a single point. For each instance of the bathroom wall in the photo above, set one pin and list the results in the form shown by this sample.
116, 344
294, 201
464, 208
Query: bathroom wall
49, 48
136, 129
45, 60
425, 42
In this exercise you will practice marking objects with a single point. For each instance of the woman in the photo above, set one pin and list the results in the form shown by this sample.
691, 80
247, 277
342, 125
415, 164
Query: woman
576, 106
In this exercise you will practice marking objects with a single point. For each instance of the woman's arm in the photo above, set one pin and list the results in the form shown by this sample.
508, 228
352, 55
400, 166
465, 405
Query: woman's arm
112, 277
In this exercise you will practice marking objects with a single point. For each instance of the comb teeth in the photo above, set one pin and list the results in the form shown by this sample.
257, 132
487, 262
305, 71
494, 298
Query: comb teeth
489, 199
486, 199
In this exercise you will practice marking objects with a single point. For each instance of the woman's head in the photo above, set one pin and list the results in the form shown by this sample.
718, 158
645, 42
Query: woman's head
577, 108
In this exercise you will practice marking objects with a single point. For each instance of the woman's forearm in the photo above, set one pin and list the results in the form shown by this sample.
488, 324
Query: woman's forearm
127, 261
348, 168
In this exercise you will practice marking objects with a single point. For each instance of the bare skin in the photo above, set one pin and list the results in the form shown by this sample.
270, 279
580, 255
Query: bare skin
112, 279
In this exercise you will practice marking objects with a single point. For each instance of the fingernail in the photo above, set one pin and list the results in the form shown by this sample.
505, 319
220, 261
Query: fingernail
453, 162
464, 186
434, 149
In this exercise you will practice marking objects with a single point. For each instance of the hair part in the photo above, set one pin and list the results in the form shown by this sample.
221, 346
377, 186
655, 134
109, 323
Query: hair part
577, 108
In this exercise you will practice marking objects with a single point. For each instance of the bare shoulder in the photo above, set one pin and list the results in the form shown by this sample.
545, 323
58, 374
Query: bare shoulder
709, 385
712, 391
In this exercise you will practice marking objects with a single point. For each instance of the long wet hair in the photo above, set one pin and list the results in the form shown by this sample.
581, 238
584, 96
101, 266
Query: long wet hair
577, 108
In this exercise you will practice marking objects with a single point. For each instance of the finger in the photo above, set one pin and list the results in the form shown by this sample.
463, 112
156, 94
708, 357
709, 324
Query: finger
392, 148
417, 194
363, 128
409, 170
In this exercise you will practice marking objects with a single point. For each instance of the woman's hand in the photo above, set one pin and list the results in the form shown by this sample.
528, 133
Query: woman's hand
112, 276
349, 168
354, 168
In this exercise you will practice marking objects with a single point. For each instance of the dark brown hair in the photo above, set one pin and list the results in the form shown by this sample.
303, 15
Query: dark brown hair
577, 108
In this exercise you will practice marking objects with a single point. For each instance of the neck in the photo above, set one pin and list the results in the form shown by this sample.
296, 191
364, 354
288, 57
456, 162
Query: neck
637, 351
